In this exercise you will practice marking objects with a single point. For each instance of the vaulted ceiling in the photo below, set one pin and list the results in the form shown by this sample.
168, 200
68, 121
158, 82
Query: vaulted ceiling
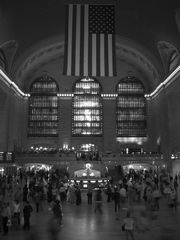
39, 26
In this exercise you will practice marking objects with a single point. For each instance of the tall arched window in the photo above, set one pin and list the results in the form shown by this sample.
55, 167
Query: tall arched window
131, 110
87, 108
43, 107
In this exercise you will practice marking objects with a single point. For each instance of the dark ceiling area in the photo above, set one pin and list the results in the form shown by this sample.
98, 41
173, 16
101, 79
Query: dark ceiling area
145, 22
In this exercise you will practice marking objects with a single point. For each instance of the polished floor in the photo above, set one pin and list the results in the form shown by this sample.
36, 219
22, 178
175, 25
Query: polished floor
82, 223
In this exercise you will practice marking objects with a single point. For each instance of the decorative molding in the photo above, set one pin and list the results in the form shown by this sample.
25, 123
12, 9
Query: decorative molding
131, 54
55, 50
109, 96
35, 59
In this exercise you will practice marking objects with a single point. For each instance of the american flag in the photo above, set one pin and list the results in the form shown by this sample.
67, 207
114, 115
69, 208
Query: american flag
90, 40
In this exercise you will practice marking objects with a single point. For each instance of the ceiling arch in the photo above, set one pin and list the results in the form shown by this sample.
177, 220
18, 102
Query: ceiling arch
166, 50
51, 49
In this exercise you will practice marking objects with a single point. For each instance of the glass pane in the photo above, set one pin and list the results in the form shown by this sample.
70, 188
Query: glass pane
131, 108
87, 108
43, 108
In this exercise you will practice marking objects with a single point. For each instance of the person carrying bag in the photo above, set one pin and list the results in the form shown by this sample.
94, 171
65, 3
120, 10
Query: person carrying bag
128, 226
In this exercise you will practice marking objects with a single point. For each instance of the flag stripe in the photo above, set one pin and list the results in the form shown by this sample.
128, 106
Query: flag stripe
86, 38
77, 47
74, 39
69, 48
66, 41
110, 65
102, 55
114, 56
98, 55
82, 39
106, 55
94, 51
90, 55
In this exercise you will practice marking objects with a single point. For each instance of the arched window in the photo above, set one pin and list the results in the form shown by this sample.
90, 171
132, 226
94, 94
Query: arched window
43, 107
87, 108
131, 110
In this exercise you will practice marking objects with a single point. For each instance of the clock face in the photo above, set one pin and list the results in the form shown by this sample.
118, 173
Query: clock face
88, 165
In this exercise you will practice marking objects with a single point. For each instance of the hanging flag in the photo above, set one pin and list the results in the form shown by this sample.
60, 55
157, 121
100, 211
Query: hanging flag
90, 40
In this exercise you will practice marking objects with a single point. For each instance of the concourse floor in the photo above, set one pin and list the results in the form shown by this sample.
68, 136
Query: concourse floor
82, 223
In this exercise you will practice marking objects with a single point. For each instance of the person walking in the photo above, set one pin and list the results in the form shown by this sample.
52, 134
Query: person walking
17, 210
37, 199
123, 194
172, 200
78, 195
27, 214
6, 216
62, 191
109, 193
116, 202
156, 197
25, 193
175, 183
89, 194
98, 201
128, 226
57, 212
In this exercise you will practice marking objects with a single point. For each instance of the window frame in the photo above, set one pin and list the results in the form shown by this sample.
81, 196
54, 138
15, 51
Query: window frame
44, 100
133, 110
92, 93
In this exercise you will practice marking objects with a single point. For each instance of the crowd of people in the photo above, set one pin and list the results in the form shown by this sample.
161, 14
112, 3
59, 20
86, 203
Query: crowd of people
24, 193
